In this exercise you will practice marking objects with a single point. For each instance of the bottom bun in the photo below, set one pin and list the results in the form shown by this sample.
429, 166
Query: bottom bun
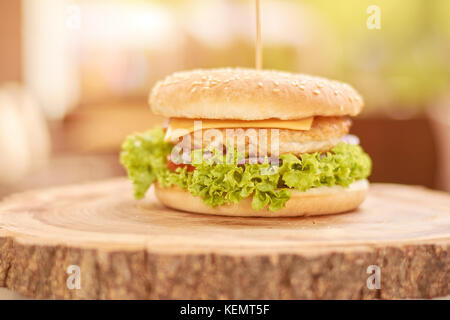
316, 201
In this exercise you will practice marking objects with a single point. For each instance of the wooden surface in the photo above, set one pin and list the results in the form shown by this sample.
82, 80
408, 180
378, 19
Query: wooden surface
140, 249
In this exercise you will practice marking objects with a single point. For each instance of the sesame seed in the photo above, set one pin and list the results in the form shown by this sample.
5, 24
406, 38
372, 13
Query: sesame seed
276, 90
316, 92
277, 83
302, 87
260, 84
320, 85
336, 92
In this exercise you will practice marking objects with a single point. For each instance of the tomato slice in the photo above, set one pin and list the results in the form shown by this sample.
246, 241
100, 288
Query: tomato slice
173, 166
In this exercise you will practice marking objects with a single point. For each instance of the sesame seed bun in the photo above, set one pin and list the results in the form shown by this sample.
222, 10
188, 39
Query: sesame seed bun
315, 201
249, 94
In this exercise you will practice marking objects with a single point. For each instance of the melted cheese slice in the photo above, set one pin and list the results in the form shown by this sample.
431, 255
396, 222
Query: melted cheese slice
179, 127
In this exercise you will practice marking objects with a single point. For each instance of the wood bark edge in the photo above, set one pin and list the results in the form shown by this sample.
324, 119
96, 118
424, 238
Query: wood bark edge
407, 271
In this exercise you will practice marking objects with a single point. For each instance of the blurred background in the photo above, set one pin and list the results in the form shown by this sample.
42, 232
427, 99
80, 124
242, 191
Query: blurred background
75, 75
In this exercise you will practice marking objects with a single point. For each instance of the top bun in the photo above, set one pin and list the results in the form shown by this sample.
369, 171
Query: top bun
249, 94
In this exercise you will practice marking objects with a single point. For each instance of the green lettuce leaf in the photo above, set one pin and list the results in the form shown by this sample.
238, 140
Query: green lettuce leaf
342, 166
144, 157
220, 184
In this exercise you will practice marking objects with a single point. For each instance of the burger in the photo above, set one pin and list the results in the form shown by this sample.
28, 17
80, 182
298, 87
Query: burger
245, 142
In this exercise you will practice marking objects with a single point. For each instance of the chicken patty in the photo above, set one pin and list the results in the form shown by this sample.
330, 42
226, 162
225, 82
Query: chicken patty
324, 134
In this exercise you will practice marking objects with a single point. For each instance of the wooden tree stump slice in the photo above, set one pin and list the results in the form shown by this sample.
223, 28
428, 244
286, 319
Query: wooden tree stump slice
139, 249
